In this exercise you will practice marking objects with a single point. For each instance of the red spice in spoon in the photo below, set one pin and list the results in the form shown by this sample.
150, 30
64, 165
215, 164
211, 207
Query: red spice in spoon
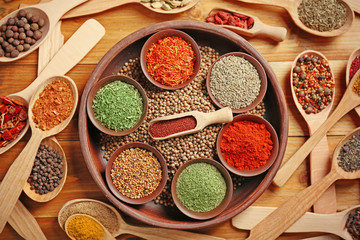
168, 127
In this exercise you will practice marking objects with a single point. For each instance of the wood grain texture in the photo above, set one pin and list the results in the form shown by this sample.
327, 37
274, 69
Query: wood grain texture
122, 21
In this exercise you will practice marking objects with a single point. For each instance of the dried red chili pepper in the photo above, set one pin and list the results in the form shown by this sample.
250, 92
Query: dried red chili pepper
171, 61
13, 116
233, 19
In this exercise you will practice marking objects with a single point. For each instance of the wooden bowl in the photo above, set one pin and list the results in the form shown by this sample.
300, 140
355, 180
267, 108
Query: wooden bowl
161, 185
274, 151
216, 211
262, 76
100, 84
154, 39
223, 41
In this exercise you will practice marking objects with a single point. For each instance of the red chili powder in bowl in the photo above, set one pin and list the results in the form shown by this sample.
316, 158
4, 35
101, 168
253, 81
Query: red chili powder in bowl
246, 145
168, 127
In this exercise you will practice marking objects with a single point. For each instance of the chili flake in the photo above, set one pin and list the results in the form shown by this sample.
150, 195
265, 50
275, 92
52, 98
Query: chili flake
54, 105
171, 60
313, 83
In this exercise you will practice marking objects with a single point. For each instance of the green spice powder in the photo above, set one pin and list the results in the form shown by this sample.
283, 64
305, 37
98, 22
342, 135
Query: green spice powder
118, 106
201, 187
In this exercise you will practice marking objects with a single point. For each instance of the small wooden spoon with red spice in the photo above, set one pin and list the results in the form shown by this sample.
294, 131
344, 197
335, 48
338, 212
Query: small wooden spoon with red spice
187, 123
258, 28
18, 173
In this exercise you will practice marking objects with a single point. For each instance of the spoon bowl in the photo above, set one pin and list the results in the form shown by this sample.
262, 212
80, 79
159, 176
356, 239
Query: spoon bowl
97, 6
106, 233
78, 45
16, 177
50, 12
353, 55
119, 226
51, 142
282, 218
291, 7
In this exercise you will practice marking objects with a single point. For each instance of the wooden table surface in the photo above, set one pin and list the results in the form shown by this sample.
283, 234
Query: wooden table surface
124, 20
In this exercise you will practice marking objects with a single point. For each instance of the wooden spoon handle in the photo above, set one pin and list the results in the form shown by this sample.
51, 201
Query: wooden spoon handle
282, 218
78, 45
24, 223
276, 33
95, 6
220, 116
283, 3
16, 177
288, 168
151, 233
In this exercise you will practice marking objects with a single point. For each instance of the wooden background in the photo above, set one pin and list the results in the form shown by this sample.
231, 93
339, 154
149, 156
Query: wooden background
124, 20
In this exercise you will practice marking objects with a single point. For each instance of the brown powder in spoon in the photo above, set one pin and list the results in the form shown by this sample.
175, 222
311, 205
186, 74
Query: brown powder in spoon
101, 212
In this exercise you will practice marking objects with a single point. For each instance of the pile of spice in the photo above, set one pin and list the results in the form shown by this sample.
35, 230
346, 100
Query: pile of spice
356, 87
19, 33
167, 4
54, 105
353, 223
246, 145
47, 170
100, 211
118, 106
322, 15
178, 150
313, 83
355, 66
84, 228
349, 156
231, 18
171, 61
136, 173
13, 116
235, 82
201, 187
169, 127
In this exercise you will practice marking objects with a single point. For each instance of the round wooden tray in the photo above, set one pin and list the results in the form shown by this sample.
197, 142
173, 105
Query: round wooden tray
223, 41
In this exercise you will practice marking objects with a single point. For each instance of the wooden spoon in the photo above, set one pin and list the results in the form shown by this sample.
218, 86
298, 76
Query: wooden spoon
259, 28
24, 223
292, 5
354, 54
16, 177
348, 102
355, 5
289, 212
96, 6
150, 233
51, 12
320, 161
51, 142
309, 222
106, 236
78, 45
202, 120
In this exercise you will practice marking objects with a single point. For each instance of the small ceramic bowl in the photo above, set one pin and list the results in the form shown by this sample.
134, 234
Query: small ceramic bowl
155, 193
163, 34
262, 76
216, 211
274, 151
95, 89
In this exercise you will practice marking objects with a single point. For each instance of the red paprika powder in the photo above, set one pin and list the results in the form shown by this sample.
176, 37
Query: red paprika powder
246, 145
355, 66
168, 127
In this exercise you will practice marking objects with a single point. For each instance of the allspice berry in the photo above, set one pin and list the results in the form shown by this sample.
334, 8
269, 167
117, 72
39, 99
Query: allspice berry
37, 34
14, 53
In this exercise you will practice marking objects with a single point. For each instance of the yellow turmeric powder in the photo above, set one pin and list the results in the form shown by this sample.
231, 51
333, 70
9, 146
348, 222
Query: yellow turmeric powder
84, 228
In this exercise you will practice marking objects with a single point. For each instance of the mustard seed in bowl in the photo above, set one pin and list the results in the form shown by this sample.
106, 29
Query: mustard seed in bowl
136, 173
